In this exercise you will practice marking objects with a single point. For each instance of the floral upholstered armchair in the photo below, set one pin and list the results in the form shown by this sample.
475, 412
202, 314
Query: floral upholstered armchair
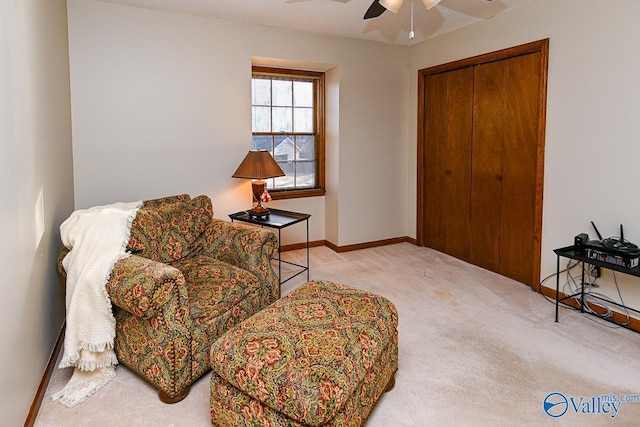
189, 279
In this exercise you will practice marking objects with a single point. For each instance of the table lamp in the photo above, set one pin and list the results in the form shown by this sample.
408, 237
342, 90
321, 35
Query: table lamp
258, 165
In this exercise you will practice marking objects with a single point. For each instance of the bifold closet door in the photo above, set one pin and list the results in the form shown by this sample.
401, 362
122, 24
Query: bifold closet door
517, 235
503, 178
486, 166
481, 128
447, 168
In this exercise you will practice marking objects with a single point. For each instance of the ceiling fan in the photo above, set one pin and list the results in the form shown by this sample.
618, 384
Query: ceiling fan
378, 7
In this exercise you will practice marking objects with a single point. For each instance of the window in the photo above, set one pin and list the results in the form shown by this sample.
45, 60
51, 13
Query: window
288, 121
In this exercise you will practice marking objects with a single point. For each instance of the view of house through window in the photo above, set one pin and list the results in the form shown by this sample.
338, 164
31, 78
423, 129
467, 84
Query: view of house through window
288, 122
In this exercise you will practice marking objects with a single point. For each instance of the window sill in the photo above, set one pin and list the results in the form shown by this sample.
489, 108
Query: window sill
296, 194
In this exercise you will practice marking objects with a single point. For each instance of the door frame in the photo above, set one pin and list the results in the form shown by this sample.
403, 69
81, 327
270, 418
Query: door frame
541, 46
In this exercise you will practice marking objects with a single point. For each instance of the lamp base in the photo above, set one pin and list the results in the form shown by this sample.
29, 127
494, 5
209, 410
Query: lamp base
259, 212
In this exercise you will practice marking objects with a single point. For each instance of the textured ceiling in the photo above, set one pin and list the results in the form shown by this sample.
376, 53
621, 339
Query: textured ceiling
341, 18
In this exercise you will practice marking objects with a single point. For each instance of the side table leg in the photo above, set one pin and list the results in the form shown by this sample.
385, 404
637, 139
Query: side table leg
279, 256
582, 290
557, 284
308, 267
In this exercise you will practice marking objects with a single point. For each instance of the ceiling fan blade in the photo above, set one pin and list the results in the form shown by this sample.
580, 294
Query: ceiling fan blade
430, 3
392, 5
375, 10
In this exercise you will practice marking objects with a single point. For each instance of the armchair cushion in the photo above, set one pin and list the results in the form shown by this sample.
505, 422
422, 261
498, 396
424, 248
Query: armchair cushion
167, 199
166, 232
243, 246
214, 287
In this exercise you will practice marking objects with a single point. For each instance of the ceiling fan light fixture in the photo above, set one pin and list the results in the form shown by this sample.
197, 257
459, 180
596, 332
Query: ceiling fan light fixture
429, 3
392, 5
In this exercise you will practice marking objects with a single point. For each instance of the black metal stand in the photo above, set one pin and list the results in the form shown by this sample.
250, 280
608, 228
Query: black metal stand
279, 219
573, 252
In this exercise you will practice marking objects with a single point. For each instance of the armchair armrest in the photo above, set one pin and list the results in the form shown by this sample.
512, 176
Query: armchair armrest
243, 246
144, 287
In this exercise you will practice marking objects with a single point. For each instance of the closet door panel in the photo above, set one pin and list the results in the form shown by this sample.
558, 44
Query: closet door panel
458, 167
480, 174
486, 169
435, 140
522, 81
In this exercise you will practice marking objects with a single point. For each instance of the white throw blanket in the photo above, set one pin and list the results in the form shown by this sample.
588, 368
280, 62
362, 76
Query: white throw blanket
97, 238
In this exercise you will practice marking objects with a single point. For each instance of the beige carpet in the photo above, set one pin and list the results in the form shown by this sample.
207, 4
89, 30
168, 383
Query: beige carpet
476, 349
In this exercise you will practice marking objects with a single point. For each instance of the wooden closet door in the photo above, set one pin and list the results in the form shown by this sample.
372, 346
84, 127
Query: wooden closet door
486, 169
458, 166
435, 161
503, 184
519, 163
449, 98
480, 175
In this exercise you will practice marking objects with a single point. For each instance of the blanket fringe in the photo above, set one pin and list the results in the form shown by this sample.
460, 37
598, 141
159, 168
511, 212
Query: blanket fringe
83, 385
109, 358
92, 366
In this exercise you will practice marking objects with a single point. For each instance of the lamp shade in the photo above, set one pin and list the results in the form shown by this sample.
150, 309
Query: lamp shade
430, 3
392, 5
258, 164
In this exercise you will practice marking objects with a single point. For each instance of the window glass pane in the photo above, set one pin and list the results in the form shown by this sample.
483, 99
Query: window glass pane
305, 174
303, 119
284, 149
261, 91
302, 94
262, 143
269, 182
306, 147
282, 93
261, 119
282, 119
288, 180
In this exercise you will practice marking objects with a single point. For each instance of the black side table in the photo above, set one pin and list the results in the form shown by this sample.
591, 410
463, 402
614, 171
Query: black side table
279, 219
574, 253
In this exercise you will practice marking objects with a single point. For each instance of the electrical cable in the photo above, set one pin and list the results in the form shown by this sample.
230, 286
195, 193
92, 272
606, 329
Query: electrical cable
600, 300
573, 286
569, 267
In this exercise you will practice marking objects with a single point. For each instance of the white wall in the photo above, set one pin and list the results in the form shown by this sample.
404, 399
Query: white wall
592, 134
36, 187
161, 105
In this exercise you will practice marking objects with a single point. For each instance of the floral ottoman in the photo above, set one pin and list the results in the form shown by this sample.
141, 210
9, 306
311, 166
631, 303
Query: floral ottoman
322, 355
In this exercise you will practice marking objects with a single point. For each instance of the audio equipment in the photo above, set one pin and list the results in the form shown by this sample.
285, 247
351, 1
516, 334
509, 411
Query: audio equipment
612, 250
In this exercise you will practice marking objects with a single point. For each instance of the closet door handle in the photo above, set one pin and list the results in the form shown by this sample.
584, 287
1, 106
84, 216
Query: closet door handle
447, 172
498, 177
